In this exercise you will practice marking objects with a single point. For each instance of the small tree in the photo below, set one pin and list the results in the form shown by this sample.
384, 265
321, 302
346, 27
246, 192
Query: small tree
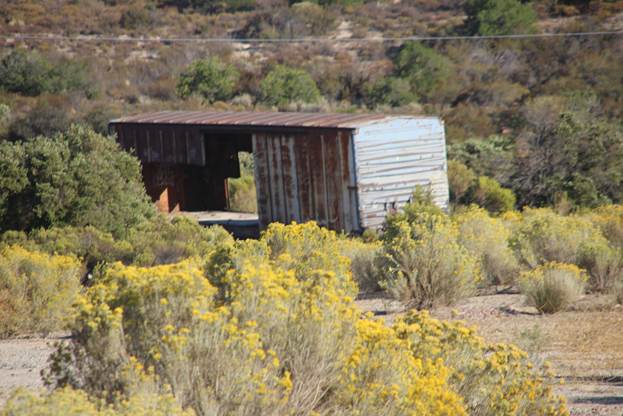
427, 71
390, 91
499, 17
284, 85
210, 78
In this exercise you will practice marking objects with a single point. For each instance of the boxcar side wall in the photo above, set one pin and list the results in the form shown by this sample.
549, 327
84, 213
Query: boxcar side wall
306, 176
392, 158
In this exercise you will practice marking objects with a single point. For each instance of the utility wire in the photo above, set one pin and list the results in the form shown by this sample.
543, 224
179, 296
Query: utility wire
120, 39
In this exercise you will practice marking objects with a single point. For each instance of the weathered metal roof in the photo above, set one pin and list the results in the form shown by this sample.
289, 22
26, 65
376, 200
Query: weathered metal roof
256, 119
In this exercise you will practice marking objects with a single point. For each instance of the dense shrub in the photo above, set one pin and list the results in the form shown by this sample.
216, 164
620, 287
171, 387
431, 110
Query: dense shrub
426, 265
211, 6
544, 236
154, 242
73, 178
499, 17
163, 241
29, 73
25, 73
92, 246
365, 263
391, 91
36, 290
210, 78
460, 180
489, 194
271, 335
47, 118
425, 69
553, 286
578, 154
284, 85
242, 194
487, 239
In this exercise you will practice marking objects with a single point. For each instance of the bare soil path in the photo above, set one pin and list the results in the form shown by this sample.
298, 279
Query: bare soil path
21, 362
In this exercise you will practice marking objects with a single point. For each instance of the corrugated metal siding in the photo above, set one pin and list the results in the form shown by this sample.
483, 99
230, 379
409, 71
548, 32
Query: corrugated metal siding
392, 158
306, 176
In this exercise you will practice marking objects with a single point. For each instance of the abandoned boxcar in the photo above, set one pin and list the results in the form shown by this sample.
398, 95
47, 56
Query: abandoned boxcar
345, 171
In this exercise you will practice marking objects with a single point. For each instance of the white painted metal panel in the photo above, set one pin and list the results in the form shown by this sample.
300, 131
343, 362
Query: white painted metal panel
393, 157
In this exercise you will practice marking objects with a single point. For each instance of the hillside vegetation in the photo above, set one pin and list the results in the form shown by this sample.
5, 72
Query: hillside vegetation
541, 116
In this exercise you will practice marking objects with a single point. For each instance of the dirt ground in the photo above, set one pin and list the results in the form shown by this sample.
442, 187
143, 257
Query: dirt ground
584, 345
21, 362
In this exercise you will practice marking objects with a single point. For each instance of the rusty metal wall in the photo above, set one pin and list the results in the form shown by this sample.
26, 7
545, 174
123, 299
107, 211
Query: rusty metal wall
395, 156
306, 176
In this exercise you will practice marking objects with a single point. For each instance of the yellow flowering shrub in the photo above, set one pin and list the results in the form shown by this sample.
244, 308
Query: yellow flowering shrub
426, 265
492, 379
267, 336
486, 238
383, 377
553, 286
609, 219
306, 248
36, 290
72, 402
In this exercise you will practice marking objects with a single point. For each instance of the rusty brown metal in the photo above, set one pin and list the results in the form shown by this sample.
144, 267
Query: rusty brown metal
305, 176
253, 119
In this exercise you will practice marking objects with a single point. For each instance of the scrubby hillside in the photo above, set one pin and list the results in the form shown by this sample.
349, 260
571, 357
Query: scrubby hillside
506, 102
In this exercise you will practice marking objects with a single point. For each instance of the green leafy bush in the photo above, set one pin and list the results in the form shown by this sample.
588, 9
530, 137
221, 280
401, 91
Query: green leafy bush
284, 85
74, 178
47, 118
25, 73
36, 290
161, 241
460, 180
490, 195
391, 91
425, 69
210, 78
29, 73
553, 286
499, 17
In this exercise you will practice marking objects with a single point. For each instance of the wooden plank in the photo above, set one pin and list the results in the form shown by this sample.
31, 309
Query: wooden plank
290, 179
332, 174
316, 174
262, 180
275, 160
304, 177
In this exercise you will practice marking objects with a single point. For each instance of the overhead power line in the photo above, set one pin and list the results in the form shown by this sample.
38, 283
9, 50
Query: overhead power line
155, 39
